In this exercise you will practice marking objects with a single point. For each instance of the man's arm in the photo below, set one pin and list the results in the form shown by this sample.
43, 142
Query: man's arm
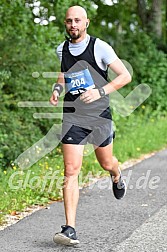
123, 77
55, 94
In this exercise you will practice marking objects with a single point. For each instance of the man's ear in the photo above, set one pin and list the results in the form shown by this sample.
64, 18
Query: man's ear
87, 23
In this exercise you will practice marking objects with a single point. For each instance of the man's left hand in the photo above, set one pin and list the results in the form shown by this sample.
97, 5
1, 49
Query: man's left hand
90, 96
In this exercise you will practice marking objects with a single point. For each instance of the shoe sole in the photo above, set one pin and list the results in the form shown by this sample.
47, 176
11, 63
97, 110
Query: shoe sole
125, 189
64, 240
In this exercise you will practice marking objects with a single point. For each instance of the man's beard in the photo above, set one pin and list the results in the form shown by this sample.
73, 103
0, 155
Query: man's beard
74, 36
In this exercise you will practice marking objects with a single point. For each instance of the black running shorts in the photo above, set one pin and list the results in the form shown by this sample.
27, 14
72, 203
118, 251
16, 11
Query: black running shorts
98, 135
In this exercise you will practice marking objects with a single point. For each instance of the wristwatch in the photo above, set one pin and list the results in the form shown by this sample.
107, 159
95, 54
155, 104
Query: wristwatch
101, 92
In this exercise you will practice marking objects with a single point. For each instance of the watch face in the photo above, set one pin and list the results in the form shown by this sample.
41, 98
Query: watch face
102, 92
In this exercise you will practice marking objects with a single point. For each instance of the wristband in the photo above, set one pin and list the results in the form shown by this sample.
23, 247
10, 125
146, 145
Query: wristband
101, 92
57, 87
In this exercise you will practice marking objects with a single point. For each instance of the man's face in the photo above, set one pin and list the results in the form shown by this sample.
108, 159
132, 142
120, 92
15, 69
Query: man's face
76, 24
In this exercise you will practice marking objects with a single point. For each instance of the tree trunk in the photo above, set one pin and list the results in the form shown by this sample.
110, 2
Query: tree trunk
151, 18
142, 11
156, 14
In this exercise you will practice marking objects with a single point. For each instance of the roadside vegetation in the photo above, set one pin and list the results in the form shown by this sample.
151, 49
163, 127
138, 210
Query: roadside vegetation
138, 134
29, 33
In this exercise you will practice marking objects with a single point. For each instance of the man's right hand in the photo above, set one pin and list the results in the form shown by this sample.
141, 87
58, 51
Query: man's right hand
54, 98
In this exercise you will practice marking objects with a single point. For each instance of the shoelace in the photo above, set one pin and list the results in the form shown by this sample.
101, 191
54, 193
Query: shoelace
64, 227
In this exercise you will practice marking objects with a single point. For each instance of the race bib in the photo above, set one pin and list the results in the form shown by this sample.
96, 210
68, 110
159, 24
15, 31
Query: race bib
78, 82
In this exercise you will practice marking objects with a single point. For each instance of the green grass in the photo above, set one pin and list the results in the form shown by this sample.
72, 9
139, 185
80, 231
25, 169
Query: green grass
135, 135
140, 135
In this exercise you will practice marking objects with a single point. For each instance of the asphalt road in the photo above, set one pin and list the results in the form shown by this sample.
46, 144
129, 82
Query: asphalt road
136, 223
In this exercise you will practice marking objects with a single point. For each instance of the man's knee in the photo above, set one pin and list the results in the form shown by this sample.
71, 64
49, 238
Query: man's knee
71, 169
109, 164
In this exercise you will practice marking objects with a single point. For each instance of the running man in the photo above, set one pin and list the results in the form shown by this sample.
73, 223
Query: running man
84, 63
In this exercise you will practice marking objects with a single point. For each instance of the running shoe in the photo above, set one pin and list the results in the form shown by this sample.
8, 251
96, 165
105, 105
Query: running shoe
66, 237
119, 188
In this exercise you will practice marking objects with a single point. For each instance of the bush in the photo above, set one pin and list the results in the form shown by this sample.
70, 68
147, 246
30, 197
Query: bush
149, 66
25, 48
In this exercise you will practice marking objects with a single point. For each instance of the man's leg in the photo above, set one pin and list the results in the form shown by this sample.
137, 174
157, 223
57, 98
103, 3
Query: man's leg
107, 161
73, 155
110, 163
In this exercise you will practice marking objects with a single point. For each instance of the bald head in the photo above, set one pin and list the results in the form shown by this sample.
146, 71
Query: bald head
77, 9
76, 23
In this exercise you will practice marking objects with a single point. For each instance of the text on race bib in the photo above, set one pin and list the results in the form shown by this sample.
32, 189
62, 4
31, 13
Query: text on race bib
79, 82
